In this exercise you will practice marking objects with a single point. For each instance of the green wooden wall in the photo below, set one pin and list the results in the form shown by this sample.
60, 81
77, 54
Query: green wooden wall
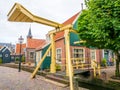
46, 63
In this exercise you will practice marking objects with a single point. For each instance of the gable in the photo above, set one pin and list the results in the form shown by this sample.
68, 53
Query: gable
5, 50
71, 20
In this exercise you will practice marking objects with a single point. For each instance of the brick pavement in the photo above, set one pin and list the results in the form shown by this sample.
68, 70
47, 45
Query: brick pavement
11, 79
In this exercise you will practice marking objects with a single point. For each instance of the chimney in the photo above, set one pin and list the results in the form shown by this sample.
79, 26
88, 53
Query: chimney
81, 6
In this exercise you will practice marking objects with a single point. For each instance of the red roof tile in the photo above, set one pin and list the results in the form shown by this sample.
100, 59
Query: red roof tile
34, 43
42, 45
69, 21
59, 35
23, 46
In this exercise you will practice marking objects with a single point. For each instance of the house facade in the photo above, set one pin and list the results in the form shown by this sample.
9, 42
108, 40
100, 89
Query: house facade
79, 53
5, 55
28, 48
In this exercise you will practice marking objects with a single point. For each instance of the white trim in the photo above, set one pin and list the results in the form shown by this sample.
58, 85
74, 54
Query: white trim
38, 56
56, 55
83, 53
91, 53
4, 49
103, 53
76, 18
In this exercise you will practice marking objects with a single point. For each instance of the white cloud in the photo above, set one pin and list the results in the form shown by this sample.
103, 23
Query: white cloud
56, 10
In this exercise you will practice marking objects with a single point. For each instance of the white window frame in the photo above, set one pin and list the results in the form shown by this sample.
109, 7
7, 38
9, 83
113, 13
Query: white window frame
57, 54
33, 56
79, 61
94, 54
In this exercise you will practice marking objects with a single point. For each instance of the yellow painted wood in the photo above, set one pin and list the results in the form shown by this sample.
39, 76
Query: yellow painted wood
99, 73
53, 56
69, 69
78, 42
74, 31
82, 66
94, 71
20, 14
69, 26
40, 62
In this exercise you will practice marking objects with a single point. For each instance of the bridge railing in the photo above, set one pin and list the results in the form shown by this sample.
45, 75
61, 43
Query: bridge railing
84, 63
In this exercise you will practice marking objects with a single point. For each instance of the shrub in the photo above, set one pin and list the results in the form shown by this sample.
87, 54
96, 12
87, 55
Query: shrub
104, 62
58, 67
16, 59
23, 58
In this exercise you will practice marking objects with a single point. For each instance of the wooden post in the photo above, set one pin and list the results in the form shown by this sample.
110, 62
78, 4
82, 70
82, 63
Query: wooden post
82, 66
69, 69
99, 69
94, 71
53, 56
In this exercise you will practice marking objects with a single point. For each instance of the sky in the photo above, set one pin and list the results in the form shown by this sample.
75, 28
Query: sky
55, 10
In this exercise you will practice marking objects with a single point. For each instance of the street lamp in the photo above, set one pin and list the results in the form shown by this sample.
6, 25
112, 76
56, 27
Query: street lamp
20, 39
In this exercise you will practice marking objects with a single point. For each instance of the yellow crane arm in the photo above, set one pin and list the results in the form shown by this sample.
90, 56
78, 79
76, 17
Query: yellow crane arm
20, 14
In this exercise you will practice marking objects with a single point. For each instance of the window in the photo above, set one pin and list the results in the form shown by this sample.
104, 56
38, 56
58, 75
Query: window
93, 54
6, 55
78, 55
58, 55
31, 54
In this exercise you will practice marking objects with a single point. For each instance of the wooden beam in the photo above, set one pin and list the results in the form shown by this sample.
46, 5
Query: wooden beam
74, 31
69, 68
69, 26
78, 42
17, 13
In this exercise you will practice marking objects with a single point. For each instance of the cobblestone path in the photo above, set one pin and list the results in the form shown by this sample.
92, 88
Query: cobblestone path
11, 79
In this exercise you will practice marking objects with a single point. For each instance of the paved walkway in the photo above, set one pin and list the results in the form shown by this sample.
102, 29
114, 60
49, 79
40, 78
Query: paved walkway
109, 70
11, 79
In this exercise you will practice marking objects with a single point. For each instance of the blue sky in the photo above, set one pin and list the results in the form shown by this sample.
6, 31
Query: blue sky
55, 10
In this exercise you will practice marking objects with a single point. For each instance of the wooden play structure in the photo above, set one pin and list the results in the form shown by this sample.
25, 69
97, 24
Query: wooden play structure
19, 14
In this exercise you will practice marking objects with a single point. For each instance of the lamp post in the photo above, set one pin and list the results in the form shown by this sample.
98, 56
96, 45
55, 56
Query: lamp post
20, 39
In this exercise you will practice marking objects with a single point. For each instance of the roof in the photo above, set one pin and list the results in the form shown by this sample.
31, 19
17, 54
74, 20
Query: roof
69, 21
34, 43
41, 46
23, 46
3, 49
59, 35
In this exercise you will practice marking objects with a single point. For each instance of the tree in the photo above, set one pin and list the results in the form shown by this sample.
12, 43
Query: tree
99, 26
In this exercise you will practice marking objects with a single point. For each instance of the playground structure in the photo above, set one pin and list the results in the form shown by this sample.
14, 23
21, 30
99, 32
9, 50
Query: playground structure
19, 14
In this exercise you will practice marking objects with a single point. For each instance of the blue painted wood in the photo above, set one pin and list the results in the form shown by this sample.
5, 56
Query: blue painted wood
5, 55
